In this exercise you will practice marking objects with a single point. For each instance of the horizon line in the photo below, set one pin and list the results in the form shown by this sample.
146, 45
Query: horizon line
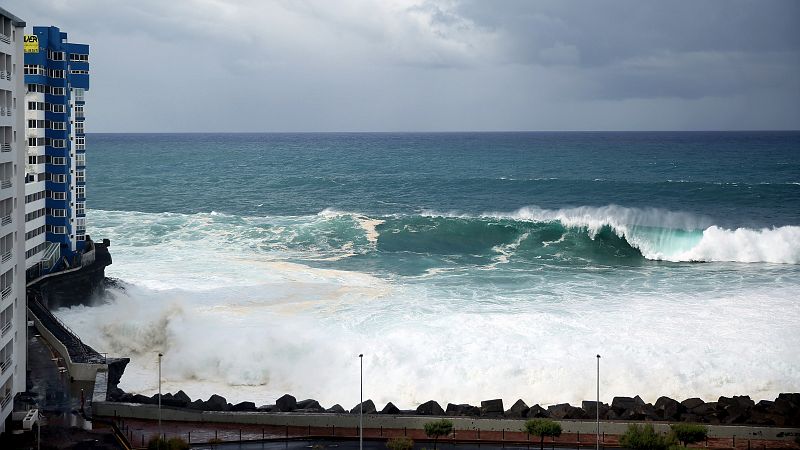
767, 130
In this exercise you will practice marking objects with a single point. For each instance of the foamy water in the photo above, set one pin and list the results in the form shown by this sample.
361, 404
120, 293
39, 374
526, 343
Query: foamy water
242, 307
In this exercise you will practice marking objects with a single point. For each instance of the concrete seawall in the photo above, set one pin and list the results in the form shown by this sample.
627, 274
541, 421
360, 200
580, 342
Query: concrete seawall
150, 412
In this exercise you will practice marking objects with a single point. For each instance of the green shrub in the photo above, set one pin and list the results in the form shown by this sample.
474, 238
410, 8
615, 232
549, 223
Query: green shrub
167, 444
689, 433
542, 428
438, 428
400, 443
645, 438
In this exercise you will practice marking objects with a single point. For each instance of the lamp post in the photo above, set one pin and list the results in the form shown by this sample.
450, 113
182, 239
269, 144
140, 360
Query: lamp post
159, 396
361, 406
597, 405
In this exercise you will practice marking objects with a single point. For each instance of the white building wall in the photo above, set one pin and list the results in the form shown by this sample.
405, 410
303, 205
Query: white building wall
12, 375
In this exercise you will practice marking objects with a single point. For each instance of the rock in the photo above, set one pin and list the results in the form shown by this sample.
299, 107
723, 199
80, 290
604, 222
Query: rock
463, 409
693, 418
537, 412
706, 409
669, 409
266, 408
286, 403
518, 409
565, 411
735, 409
369, 408
390, 409
244, 406
181, 396
216, 403
788, 405
197, 404
492, 407
337, 408
638, 400
692, 403
126, 397
430, 408
139, 398
590, 407
622, 404
310, 405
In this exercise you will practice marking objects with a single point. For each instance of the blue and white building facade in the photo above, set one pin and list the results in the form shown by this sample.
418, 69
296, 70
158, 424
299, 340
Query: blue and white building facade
56, 78
13, 321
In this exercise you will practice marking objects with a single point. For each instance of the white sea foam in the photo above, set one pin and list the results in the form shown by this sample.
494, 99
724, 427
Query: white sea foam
235, 318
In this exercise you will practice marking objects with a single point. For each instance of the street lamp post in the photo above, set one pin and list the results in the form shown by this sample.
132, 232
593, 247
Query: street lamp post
361, 406
597, 405
159, 396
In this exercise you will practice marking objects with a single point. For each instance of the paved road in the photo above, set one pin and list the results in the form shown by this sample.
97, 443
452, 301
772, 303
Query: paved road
353, 445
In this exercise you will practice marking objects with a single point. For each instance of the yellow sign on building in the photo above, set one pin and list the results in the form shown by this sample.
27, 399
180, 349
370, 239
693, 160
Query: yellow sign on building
31, 43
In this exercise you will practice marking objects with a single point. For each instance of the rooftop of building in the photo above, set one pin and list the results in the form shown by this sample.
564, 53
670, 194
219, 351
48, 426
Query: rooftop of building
14, 19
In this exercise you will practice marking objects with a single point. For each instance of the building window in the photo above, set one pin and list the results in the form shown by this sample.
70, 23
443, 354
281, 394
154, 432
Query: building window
80, 191
80, 208
59, 143
59, 160
55, 56
80, 176
58, 125
57, 229
57, 108
78, 57
33, 69
59, 91
80, 159
56, 195
79, 92
58, 178
55, 212
79, 127
56, 73
78, 72
80, 143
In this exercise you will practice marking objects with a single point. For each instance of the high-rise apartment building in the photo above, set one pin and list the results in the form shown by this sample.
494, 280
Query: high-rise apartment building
13, 339
56, 78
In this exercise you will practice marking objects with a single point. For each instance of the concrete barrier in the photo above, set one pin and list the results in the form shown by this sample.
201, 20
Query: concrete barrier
77, 371
150, 412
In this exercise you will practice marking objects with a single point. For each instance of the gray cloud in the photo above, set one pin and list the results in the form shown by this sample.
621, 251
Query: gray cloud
249, 65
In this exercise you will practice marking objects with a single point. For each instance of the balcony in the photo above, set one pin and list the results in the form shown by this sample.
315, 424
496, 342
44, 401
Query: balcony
5, 147
5, 38
7, 363
5, 184
5, 293
5, 329
6, 400
6, 257
6, 220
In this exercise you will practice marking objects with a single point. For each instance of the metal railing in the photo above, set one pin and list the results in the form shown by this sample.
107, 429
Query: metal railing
6, 400
9, 111
5, 220
5, 38
6, 292
2, 74
8, 75
5, 147
6, 256
5, 365
5, 184
5, 329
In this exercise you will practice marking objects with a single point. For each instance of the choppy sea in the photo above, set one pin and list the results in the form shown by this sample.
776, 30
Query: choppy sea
464, 266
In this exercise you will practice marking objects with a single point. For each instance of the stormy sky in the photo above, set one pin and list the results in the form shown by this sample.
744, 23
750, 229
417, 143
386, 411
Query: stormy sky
436, 65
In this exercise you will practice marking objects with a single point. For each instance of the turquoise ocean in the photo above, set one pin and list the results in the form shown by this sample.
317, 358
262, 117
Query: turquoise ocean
464, 266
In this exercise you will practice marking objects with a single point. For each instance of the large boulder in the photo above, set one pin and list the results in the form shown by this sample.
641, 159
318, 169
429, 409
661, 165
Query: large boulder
492, 407
734, 409
788, 405
519, 409
197, 404
337, 408
286, 403
267, 408
590, 407
181, 396
669, 409
216, 403
622, 404
764, 413
368, 405
390, 409
430, 408
463, 409
309, 405
566, 411
139, 398
692, 403
537, 412
244, 406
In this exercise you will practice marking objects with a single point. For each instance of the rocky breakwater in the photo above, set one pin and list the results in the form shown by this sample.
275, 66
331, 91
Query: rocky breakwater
784, 411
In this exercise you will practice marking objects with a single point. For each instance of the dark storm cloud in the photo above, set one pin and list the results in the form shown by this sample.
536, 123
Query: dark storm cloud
435, 65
